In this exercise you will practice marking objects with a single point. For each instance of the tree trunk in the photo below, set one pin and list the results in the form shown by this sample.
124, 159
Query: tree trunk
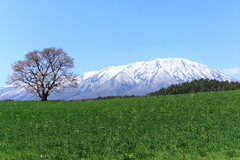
44, 97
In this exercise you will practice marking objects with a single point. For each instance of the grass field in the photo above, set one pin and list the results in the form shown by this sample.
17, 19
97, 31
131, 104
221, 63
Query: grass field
190, 126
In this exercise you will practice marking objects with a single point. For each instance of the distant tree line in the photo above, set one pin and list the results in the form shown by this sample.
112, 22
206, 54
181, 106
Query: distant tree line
106, 98
92, 99
201, 85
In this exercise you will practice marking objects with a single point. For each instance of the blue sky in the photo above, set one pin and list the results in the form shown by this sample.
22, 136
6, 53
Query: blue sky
102, 33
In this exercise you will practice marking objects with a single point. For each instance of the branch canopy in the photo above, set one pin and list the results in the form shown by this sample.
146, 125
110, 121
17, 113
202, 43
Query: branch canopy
43, 72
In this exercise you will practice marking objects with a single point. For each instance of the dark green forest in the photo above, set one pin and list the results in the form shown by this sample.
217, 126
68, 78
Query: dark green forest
195, 86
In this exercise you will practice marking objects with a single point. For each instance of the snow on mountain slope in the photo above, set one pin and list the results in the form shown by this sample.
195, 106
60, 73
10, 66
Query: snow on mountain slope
137, 78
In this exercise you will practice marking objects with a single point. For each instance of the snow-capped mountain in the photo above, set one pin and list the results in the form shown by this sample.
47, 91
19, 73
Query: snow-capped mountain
138, 78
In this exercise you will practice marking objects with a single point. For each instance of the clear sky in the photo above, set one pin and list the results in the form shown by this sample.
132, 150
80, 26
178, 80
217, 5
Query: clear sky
102, 33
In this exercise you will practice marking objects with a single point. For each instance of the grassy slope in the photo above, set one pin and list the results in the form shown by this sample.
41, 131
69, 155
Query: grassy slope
190, 126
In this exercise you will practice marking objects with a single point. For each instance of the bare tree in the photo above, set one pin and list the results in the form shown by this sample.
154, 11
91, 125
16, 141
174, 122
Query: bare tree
43, 72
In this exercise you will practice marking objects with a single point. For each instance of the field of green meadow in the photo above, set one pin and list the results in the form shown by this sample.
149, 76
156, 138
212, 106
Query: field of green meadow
187, 126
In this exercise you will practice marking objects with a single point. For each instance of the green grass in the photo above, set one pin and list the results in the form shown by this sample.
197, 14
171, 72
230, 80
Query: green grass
190, 126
